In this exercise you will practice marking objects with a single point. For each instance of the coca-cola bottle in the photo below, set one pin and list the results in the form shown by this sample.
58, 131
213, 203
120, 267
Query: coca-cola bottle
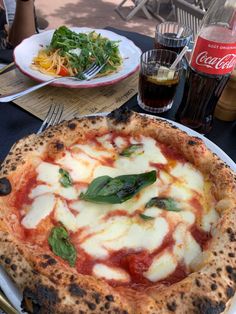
212, 60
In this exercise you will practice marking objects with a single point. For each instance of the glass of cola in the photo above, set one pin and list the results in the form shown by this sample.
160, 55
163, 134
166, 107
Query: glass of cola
157, 82
172, 36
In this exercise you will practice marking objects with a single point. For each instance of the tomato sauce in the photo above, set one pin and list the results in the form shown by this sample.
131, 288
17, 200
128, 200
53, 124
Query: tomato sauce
84, 262
22, 195
171, 153
117, 212
106, 161
194, 202
201, 236
136, 263
158, 166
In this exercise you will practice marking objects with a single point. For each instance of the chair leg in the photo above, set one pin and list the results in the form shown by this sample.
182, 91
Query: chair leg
145, 11
138, 6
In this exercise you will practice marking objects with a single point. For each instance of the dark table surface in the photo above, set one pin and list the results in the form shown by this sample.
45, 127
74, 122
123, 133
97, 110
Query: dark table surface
16, 123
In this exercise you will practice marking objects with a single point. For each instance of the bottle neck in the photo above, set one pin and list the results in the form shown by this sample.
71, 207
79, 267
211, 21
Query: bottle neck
221, 12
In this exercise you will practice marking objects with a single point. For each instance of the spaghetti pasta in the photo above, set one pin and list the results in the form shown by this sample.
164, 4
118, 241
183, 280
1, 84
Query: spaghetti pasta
70, 53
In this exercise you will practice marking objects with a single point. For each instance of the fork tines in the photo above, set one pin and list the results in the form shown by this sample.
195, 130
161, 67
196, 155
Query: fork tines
53, 117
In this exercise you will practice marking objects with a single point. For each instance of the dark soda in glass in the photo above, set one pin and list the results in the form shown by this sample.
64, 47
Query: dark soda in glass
201, 93
166, 44
172, 36
156, 93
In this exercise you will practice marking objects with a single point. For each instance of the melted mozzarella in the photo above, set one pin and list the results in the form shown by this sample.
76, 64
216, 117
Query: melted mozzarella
105, 233
185, 247
110, 273
40, 190
180, 192
81, 166
152, 211
120, 142
41, 207
209, 219
138, 163
165, 177
147, 236
161, 267
65, 216
48, 173
106, 171
94, 152
192, 250
192, 178
105, 140
69, 193
120, 232
186, 217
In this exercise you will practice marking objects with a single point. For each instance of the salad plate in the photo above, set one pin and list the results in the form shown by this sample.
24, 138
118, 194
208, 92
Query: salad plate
26, 51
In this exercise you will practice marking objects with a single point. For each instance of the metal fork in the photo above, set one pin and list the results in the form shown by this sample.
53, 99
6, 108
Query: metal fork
53, 117
87, 75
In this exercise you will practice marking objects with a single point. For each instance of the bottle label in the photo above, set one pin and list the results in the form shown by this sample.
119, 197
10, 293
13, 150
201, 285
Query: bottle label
213, 58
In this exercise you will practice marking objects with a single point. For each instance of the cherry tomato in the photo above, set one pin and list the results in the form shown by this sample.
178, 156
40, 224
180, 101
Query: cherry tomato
63, 71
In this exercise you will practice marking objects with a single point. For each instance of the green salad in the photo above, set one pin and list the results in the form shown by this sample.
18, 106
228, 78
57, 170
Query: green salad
83, 49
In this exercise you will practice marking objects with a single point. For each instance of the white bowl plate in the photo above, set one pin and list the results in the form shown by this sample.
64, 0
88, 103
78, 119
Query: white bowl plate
28, 49
15, 297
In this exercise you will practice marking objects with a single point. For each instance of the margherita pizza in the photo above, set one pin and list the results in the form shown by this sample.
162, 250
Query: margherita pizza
118, 214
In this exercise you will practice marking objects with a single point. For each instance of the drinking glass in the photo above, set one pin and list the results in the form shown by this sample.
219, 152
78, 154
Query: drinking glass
157, 83
166, 36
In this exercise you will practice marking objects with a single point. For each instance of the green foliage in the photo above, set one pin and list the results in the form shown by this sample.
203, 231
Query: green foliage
117, 190
61, 246
94, 48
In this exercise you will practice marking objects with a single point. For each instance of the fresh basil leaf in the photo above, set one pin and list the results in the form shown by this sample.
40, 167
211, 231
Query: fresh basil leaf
135, 148
61, 246
65, 179
117, 190
145, 217
166, 203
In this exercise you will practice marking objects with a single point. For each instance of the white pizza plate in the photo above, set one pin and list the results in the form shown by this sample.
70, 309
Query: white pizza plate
14, 295
28, 49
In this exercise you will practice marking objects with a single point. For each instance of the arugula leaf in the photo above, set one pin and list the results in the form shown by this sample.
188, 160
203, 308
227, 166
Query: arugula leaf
145, 217
61, 246
117, 190
166, 203
65, 179
134, 148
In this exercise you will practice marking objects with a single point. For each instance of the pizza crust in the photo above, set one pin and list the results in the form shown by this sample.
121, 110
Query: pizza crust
48, 289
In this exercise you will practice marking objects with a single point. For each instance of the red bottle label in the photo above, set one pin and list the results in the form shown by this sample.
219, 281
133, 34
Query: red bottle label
213, 58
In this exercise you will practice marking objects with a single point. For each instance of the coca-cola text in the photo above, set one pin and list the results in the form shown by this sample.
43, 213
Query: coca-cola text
213, 58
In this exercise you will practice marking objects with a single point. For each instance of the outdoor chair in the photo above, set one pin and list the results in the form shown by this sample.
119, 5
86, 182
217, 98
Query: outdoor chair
138, 5
188, 14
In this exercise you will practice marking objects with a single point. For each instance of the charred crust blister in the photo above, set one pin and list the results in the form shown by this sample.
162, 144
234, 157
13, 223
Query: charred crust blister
41, 297
72, 125
91, 306
192, 143
109, 298
206, 305
120, 115
5, 186
59, 145
172, 306
76, 290
96, 296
